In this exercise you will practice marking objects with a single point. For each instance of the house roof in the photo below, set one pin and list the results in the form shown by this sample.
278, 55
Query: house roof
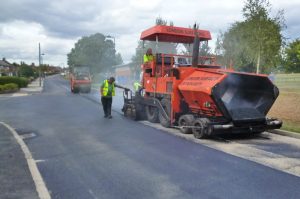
4, 63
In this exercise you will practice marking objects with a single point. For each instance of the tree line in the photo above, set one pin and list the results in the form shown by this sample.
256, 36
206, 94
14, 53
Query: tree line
257, 44
31, 70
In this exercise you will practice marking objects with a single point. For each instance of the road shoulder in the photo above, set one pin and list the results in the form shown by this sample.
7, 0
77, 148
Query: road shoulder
285, 133
20, 177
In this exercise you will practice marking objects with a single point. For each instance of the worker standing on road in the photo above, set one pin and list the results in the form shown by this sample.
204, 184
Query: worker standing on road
148, 57
107, 93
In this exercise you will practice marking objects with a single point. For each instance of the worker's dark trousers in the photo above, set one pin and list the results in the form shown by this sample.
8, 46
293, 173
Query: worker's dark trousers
106, 103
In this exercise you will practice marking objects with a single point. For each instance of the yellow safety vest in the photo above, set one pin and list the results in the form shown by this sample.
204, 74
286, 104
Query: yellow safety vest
105, 89
136, 86
148, 58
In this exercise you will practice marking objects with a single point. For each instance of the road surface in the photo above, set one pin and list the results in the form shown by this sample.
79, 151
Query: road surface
80, 154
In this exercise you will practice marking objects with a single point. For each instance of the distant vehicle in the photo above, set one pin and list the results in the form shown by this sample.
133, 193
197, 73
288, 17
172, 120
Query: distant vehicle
80, 80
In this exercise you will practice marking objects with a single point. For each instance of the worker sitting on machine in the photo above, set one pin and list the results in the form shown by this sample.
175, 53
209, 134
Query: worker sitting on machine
148, 57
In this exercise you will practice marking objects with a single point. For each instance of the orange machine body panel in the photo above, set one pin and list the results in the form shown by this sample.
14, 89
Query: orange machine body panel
193, 87
196, 90
75, 81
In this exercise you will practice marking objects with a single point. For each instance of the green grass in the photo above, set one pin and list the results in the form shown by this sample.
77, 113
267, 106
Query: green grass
291, 126
287, 106
288, 82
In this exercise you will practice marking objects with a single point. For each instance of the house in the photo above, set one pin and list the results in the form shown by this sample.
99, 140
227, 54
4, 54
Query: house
7, 69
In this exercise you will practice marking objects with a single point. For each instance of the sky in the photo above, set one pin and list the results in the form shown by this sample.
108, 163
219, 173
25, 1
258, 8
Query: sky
58, 24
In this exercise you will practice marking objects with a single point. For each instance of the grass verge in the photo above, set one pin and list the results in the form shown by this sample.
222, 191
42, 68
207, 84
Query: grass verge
287, 105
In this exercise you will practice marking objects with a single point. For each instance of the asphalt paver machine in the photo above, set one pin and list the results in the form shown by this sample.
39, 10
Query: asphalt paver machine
195, 94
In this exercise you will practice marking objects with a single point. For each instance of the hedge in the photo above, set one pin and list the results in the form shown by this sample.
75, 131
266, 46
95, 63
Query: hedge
7, 88
20, 81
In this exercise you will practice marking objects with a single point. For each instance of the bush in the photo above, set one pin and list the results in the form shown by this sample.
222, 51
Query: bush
11, 86
6, 88
20, 81
26, 71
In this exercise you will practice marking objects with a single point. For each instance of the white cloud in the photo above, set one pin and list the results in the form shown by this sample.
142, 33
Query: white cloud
19, 42
127, 49
145, 5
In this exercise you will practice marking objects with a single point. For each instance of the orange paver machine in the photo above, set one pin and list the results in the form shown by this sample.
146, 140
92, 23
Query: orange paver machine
195, 94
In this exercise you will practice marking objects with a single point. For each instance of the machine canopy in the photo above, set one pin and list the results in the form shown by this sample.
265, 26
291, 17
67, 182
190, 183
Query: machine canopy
173, 34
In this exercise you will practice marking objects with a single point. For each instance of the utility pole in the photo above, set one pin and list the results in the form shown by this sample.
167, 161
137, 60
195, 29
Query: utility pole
40, 70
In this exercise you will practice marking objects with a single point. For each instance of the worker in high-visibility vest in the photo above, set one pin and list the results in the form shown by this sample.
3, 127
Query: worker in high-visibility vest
148, 57
137, 86
107, 90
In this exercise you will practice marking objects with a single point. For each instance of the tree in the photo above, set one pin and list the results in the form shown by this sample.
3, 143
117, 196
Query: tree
253, 44
96, 52
204, 49
292, 59
25, 71
160, 21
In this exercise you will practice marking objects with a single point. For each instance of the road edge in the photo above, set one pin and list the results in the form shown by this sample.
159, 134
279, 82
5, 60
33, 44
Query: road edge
285, 133
35, 173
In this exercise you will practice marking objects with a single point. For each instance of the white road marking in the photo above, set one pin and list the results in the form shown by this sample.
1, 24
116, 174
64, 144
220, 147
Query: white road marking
36, 175
92, 194
27, 135
19, 94
247, 151
14, 95
38, 161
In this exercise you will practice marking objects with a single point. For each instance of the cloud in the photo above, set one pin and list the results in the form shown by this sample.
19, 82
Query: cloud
19, 41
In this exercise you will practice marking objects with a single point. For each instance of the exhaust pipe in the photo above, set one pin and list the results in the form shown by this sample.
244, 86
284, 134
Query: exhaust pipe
196, 46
